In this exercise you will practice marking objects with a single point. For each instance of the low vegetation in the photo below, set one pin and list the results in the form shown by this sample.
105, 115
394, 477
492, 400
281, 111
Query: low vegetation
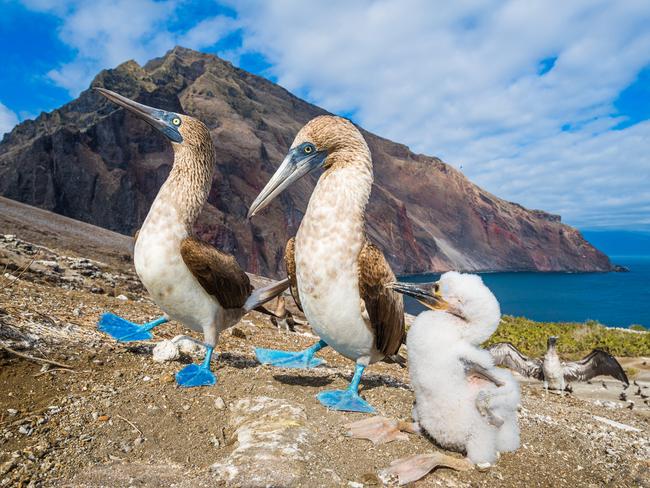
575, 339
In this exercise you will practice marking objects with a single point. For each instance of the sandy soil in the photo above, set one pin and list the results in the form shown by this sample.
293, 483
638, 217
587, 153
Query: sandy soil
118, 418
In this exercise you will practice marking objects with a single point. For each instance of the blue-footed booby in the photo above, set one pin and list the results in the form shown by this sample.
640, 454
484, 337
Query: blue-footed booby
557, 374
191, 281
337, 276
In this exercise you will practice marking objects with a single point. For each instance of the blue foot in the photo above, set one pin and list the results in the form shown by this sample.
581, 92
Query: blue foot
125, 331
287, 359
345, 400
197, 375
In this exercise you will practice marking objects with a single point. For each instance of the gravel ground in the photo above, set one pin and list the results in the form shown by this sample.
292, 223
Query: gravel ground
117, 417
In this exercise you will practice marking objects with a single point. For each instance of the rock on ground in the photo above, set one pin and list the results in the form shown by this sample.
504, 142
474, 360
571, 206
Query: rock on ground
272, 444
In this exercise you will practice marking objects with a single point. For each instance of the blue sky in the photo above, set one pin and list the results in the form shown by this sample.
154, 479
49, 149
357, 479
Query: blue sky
546, 103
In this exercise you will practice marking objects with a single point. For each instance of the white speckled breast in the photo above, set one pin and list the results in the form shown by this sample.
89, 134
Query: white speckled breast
163, 272
553, 371
327, 247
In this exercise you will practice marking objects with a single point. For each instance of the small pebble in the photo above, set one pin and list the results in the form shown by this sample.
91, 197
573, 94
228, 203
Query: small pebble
219, 404
12, 411
146, 378
238, 333
122, 297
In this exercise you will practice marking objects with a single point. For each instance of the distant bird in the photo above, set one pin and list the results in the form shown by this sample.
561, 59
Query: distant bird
283, 319
604, 385
462, 401
191, 281
337, 276
554, 373
622, 396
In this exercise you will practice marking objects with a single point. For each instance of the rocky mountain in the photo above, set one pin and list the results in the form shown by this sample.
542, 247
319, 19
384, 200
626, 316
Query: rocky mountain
93, 162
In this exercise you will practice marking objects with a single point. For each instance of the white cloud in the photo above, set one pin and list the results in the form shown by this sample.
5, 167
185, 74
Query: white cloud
461, 80
105, 33
8, 119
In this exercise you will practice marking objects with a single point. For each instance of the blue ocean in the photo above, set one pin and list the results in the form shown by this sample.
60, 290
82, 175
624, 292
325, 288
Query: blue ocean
613, 299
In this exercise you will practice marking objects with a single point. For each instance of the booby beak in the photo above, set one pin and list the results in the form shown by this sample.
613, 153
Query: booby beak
166, 122
425, 293
296, 164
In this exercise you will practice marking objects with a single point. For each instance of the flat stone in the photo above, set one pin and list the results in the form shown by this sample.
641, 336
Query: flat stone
271, 447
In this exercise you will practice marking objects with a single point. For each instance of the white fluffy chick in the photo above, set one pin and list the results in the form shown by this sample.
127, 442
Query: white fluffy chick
462, 400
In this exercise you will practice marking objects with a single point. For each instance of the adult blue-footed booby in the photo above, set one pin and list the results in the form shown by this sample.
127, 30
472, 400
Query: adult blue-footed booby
337, 275
555, 373
191, 281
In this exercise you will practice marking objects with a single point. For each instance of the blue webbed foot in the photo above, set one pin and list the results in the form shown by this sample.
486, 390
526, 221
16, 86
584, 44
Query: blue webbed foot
345, 400
195, 375
287, 359
124, 330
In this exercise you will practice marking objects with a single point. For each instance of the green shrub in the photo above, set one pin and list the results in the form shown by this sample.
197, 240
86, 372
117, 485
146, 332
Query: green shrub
575, 340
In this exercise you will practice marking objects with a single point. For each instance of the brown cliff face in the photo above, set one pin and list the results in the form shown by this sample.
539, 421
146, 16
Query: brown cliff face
95, 163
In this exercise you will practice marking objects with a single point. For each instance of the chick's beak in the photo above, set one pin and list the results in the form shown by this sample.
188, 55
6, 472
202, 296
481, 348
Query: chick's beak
294, 167
422, 292
160, 119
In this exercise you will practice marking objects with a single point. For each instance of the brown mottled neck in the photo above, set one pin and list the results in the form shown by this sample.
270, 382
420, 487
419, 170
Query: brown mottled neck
353, 162
189, 181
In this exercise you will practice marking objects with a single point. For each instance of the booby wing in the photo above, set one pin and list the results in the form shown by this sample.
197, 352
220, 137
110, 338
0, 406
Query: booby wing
596, 363
385, 307
290, 264
217, 272
505, 354
475, 371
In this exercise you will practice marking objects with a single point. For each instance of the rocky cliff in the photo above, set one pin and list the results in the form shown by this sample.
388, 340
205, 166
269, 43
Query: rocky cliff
93, 162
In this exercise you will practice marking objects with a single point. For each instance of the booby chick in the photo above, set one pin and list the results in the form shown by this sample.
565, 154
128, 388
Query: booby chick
555, 373
462, 401
337, 276
191, 281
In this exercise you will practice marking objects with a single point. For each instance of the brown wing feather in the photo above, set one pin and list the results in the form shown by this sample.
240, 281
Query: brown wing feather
505, 354
596, 363
217, 272
385, 307
290, 264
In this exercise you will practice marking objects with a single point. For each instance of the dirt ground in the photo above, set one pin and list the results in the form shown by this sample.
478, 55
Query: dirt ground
117, 417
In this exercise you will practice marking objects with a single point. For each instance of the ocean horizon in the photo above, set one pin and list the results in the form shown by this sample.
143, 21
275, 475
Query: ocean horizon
613, 299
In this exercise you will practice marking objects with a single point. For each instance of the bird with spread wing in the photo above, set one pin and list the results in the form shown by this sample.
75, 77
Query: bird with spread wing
555, 373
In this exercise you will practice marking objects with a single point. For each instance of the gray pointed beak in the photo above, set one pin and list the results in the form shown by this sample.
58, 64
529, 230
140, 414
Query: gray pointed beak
422, 292
294, 167
162, 120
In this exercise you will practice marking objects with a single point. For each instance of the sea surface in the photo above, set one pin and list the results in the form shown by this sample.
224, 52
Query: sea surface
613, 299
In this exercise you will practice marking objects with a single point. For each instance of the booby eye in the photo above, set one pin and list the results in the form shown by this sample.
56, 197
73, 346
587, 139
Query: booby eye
308, 149
436, 288
176, 121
